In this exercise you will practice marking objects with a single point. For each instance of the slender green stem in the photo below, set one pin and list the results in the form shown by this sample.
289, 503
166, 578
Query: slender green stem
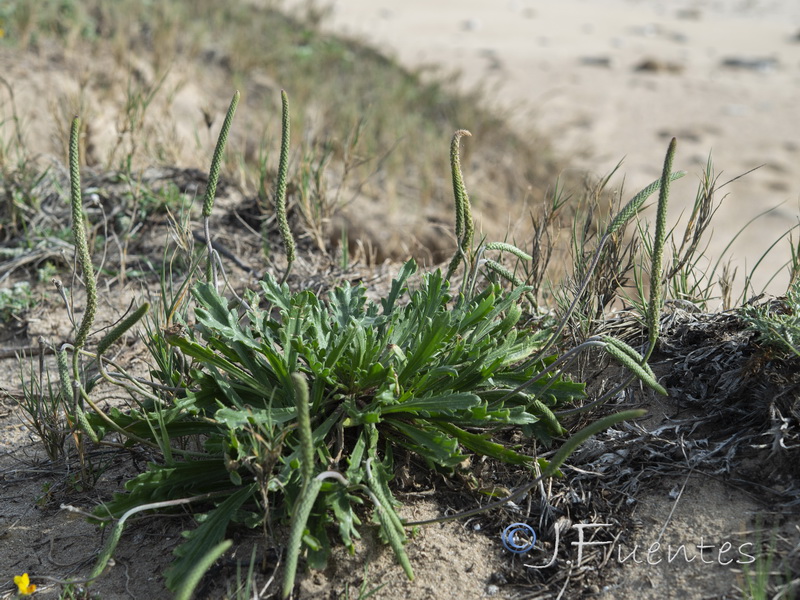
601, 400
116, 532
309, 487
80, 416
303, 427
112, 424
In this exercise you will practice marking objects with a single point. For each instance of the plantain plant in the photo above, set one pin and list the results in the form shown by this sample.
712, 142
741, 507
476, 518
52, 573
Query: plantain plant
420, 372
299, 403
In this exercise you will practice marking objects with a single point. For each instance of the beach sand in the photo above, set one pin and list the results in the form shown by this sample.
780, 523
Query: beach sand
613, 80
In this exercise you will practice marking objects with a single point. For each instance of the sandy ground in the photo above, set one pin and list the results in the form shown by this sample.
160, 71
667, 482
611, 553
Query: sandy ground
576, 80
617, 79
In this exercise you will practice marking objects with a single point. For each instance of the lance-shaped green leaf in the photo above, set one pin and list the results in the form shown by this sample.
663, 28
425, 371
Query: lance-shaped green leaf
432, 444
205, 538
483, 446
193, 578
391, 526
443, 403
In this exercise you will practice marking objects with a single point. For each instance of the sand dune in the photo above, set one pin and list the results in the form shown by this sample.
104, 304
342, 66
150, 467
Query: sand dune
617, 79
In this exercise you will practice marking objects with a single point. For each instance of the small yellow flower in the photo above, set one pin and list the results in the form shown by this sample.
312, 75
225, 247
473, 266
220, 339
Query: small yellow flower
26, 588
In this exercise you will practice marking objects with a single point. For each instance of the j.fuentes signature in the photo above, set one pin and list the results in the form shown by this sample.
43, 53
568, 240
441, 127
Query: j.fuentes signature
520, 538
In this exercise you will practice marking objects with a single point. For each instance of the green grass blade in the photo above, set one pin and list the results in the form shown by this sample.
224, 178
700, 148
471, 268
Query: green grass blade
194, 577
437, 332
432, 444
205, 538
444, 403
398, 286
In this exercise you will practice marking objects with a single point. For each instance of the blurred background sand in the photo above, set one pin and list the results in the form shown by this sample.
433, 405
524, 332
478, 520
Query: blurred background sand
616, 79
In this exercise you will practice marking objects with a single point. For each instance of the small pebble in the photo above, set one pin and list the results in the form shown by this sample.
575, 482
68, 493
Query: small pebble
761, 65
596, 61
471, 25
